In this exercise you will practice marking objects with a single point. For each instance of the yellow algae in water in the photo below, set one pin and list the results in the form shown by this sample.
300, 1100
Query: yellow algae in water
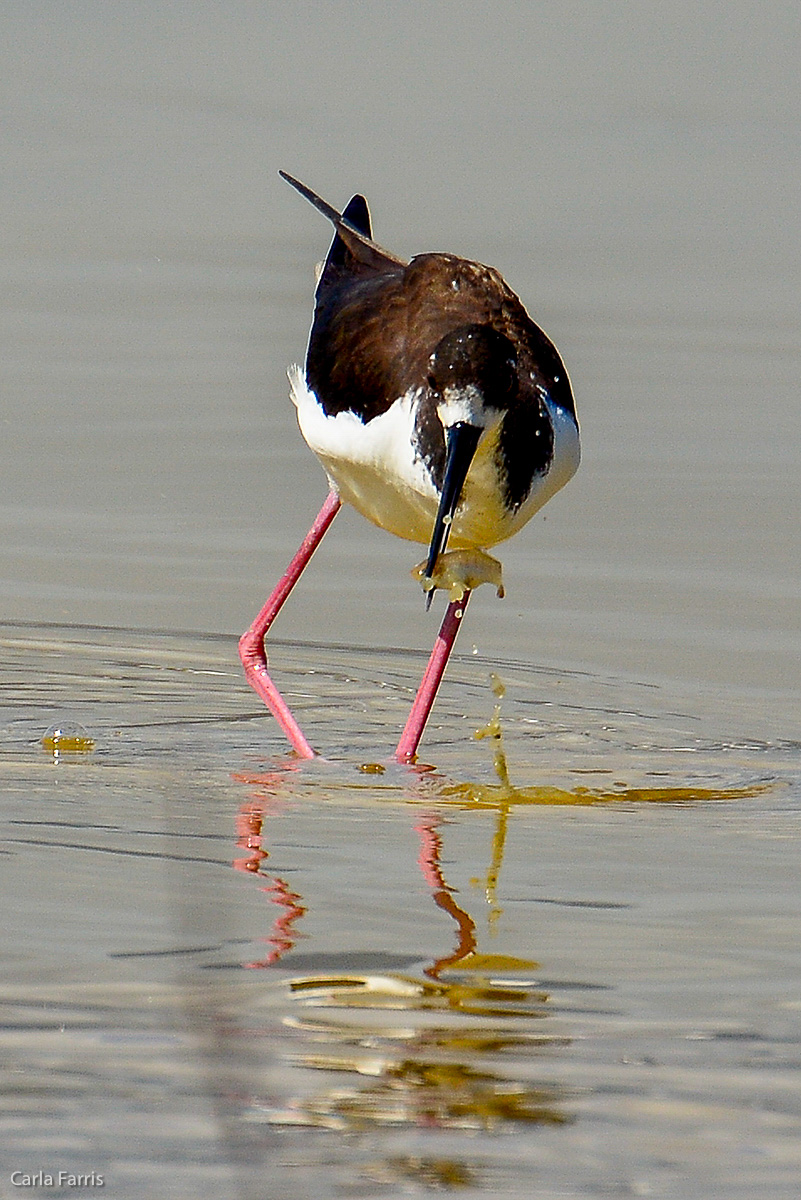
506, 794
493, 963
67, 738
479, 795
372, 768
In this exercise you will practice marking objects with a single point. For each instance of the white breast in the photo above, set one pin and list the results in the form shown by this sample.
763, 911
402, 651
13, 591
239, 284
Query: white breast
374, 467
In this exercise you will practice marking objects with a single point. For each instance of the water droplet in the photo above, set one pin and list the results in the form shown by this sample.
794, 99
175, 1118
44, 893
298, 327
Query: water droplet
497, 685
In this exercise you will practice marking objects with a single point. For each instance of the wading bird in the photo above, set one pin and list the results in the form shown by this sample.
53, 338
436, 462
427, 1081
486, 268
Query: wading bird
438, 409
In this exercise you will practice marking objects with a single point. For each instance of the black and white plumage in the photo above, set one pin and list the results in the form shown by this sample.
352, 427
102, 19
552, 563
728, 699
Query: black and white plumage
437, 407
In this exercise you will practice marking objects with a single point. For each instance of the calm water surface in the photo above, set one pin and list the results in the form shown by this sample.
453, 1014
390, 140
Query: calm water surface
229, 973
368, 979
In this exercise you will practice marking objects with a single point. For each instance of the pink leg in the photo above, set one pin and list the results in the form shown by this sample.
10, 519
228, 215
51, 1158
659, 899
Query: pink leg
251, 644
426, 693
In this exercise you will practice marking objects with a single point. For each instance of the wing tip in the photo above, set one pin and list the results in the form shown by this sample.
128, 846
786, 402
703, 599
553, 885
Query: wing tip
354, 237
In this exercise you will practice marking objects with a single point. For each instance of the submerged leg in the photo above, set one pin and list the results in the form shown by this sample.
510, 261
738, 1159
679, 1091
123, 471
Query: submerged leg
426, 693
251, 644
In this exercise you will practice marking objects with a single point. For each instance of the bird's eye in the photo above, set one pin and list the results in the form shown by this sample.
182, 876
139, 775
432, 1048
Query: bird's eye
432, 383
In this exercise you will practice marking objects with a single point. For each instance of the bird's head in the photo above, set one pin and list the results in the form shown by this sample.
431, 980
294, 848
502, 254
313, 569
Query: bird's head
472, 373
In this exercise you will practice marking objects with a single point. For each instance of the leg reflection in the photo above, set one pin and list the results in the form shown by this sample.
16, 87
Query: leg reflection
249, 838
430, 864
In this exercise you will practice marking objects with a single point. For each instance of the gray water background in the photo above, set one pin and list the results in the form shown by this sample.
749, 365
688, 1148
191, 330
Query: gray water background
634, 173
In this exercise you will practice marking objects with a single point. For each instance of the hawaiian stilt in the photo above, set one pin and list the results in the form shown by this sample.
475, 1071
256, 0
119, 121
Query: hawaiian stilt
438, 409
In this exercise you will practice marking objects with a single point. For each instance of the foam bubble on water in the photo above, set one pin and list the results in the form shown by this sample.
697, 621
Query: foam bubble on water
67, 737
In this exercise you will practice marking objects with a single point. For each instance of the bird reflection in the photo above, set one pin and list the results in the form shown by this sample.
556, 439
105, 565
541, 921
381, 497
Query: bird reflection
439, 1065
266, 788
465, 1042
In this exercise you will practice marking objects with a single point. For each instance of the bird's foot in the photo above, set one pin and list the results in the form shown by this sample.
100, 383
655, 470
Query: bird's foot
460, 571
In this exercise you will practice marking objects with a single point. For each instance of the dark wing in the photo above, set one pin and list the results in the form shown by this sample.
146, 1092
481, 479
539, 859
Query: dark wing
346, 363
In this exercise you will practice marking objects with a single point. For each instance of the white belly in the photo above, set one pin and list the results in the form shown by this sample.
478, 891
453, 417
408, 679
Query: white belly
373, 467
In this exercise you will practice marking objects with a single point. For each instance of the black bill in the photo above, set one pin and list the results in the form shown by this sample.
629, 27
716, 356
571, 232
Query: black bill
461, 444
